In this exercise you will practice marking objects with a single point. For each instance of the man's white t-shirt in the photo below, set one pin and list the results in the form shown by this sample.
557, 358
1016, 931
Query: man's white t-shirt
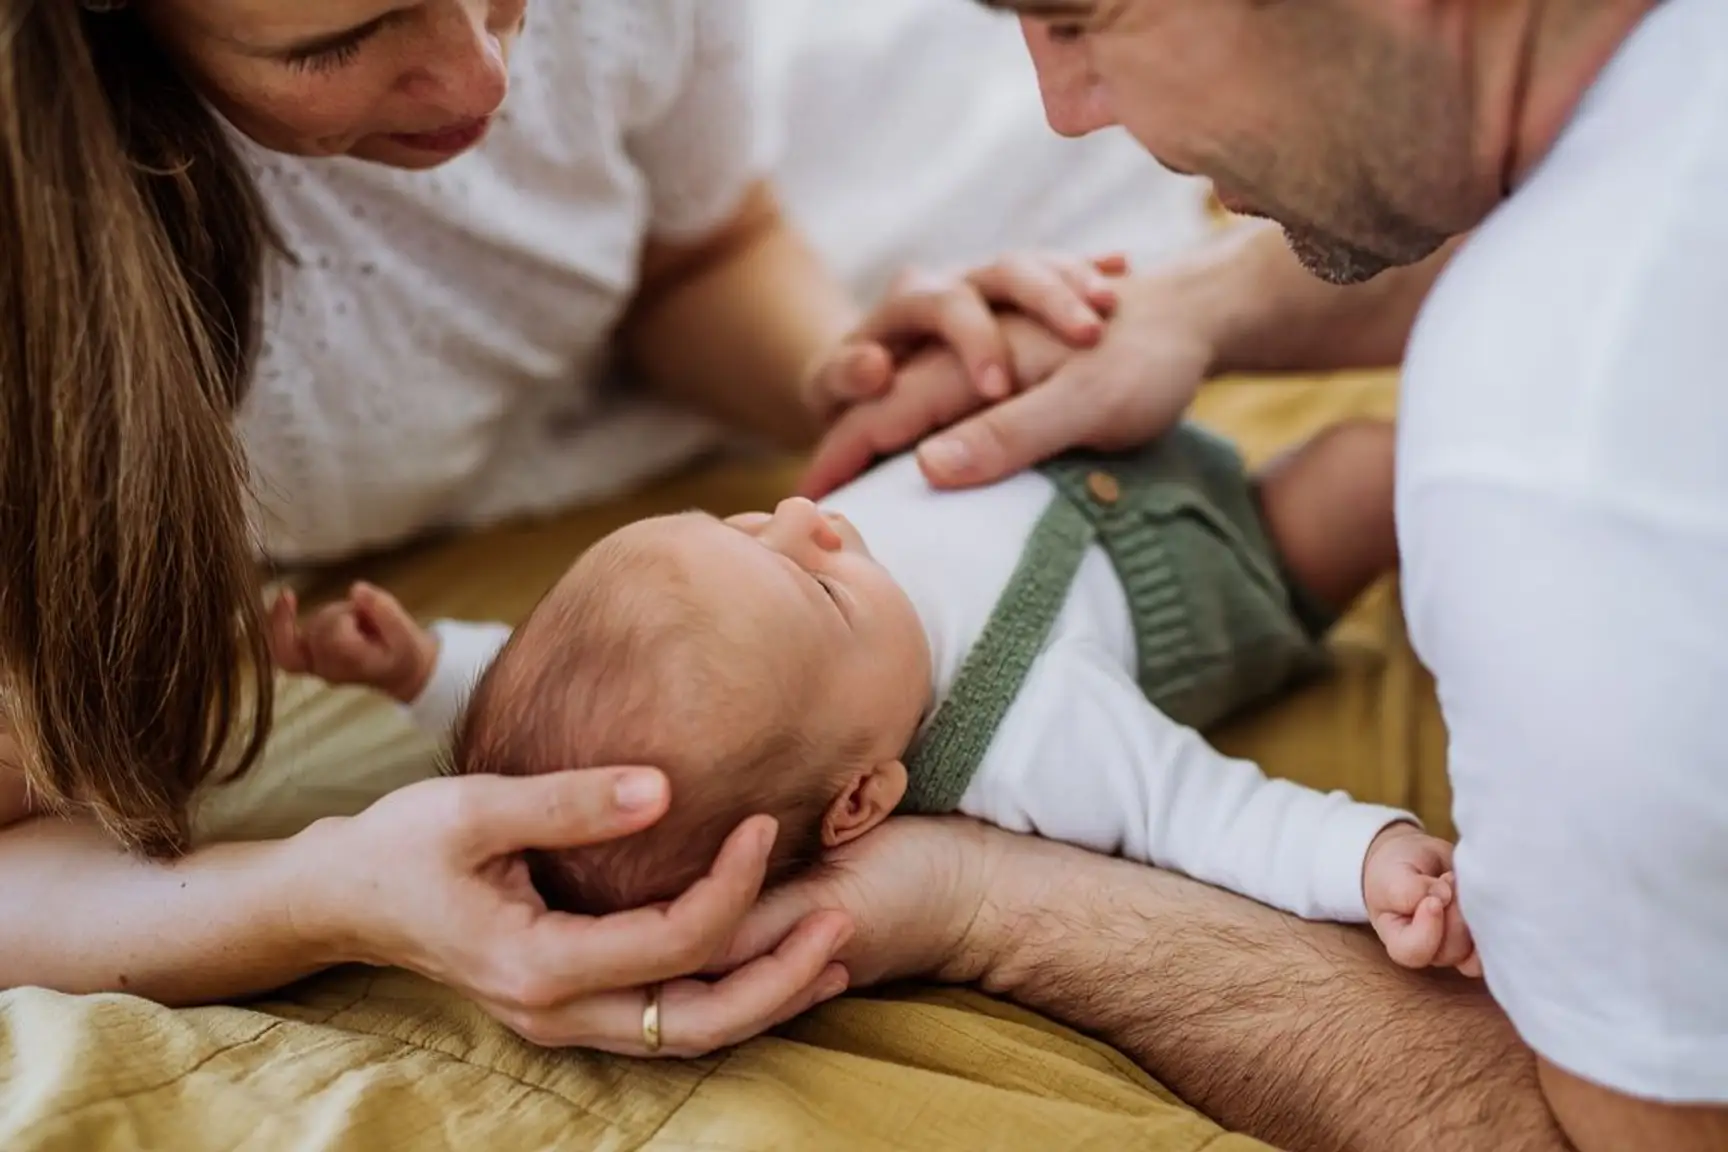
1563, 517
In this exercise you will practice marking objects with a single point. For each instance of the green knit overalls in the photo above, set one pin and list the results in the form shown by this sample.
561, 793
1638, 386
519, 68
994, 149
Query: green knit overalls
1217, 624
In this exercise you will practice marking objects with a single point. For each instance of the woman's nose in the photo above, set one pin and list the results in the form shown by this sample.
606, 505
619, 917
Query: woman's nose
466, 73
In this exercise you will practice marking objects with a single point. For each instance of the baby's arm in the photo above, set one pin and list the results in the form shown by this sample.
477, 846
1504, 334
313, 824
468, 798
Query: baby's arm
465, 651
369, 640
1082, 757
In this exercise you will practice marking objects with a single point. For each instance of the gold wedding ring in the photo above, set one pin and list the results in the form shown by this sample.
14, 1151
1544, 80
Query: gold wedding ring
651, 1020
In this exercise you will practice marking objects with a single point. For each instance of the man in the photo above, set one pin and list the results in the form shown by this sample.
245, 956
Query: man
1565, 567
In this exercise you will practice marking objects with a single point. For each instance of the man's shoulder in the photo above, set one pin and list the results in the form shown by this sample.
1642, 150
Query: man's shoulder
1590, 309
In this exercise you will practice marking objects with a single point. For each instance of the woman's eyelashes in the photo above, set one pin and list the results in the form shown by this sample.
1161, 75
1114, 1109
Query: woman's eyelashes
334, 53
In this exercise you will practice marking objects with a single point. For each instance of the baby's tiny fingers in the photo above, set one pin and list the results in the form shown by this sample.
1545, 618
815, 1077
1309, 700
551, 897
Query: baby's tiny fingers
1414, 944
1456, 945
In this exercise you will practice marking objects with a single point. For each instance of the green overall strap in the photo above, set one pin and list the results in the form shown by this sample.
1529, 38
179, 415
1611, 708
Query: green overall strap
942, 761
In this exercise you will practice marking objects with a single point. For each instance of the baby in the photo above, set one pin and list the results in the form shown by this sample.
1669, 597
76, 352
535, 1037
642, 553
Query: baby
1037, 654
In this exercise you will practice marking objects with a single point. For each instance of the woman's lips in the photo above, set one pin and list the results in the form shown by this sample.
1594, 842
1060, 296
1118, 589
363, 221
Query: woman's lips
446, 141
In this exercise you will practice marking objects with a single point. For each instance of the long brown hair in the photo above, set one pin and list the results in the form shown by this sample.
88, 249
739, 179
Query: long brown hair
133, 664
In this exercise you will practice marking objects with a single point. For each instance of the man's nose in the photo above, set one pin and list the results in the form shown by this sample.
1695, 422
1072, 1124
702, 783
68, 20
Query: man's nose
1075, 103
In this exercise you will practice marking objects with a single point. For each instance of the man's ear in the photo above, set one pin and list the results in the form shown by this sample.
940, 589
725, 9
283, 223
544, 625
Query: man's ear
869, 798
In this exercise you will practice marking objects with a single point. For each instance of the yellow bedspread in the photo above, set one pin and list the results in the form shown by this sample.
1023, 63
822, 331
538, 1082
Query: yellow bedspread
364, 1061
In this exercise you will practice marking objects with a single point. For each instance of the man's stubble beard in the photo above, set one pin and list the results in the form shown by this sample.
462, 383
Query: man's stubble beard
1400, 167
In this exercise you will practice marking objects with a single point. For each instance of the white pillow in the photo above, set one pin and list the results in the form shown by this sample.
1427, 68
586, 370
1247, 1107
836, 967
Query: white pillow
911, 132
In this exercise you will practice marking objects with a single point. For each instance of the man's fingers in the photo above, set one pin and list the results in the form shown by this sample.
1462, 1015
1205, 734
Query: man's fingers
930, 395
843, 453
960, 319
1055, 296
1010, 437
676, 939
501, 815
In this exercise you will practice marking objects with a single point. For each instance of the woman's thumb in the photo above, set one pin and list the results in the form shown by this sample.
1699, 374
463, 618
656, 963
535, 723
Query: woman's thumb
501, 815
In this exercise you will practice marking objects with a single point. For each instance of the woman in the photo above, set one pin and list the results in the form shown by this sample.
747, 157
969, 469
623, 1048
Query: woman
310, 246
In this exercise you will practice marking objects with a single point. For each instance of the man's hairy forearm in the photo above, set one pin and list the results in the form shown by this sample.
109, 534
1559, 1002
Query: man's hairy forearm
78, 915
1272, 315
1303, 1035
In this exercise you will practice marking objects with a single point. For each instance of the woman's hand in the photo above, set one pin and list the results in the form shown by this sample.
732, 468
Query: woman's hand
1135, 384
1071, 298
430, 878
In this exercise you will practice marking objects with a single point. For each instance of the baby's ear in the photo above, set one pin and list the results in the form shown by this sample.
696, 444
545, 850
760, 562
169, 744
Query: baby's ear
868, 799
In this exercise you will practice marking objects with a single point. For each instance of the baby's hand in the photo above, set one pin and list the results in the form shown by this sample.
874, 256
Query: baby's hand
1412, 901
368, 640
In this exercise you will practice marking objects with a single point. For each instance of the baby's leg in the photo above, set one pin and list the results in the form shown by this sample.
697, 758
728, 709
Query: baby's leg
1328, 508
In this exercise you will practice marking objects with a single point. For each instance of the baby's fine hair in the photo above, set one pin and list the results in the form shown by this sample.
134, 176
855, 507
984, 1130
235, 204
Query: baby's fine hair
626, 665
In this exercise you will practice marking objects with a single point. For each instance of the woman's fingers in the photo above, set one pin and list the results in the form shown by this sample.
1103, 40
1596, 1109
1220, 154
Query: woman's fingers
958, 317
697, 1016
663, 941
859, 371
1057, 295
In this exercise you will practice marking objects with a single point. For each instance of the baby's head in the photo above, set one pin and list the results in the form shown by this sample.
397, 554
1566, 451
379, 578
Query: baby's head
766, 663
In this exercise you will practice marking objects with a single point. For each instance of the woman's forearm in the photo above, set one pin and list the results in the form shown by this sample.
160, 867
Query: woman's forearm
1273, 315
733, 325
79, 915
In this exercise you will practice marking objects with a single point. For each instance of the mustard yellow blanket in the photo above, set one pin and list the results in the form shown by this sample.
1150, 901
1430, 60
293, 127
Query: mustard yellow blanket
366, 1061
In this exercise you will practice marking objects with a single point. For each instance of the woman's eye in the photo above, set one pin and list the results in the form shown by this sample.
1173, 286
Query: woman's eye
1066, 33
325, 59
828, 588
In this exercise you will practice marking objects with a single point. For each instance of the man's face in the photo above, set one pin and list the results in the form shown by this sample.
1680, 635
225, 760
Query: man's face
1353, 132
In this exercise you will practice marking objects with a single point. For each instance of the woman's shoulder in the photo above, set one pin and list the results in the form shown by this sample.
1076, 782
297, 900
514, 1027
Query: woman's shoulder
637, 54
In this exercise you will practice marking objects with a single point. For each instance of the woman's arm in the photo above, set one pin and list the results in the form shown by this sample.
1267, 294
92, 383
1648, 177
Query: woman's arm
78, 914
430, 878
732, 324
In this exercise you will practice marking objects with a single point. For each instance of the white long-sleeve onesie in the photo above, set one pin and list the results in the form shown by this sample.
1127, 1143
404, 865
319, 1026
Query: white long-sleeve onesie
1080, 756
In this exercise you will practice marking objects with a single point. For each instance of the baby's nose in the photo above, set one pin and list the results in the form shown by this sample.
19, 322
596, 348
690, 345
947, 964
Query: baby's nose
797, 524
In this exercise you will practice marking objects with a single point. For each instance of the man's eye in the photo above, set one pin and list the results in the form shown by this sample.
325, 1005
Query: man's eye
1066, 33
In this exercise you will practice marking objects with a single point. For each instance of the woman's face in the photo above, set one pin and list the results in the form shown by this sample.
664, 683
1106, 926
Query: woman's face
409, 83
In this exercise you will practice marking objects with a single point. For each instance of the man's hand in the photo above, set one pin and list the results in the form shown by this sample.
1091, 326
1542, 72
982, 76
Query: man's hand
1132, 386
914, 891
1069, 297
368, 640
1412, 901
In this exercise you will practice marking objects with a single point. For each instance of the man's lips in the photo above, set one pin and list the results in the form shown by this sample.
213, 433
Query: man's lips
455, 138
